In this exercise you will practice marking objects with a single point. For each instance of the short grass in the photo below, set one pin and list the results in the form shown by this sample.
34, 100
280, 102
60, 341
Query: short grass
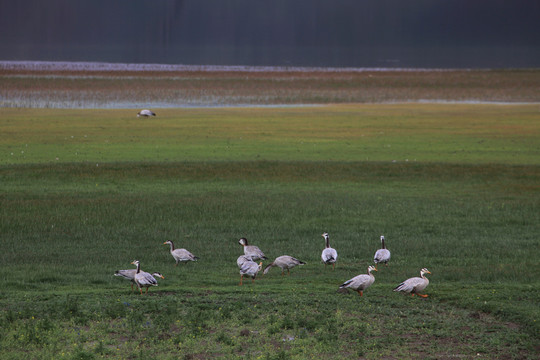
471, 218
504, 134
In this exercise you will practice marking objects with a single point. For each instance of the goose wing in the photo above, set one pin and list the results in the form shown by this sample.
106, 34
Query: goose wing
411, 285
126, 274
145, 279
242, 259
254, 252
359, 282
183, 255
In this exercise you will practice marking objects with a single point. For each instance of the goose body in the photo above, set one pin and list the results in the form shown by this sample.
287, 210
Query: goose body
285, 262
251, 250
242, 259
383, 254
146, 113
180, 255
361, 282
142, 278
415, 285
328, 255
249, 268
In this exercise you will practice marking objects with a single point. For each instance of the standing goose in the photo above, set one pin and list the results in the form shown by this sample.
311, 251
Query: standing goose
180, 255
130, 275
383, 254
329, 255
252, 250
415, 285
285, 262
146, 113
142, 278
250, 268
361, 282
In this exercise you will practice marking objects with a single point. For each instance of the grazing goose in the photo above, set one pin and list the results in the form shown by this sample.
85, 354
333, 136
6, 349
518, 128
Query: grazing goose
142, 278
252, 250
250, 268
361, 282
285, 262
382, 255
130, 275
329, 255
180, 255
415, 285
146, 113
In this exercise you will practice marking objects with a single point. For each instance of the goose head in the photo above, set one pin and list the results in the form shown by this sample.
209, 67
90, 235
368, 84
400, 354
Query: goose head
424, 271
156, 274
243, 241
371, 268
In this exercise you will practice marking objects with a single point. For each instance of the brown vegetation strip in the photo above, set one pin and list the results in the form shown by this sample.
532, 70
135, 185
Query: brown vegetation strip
272, 87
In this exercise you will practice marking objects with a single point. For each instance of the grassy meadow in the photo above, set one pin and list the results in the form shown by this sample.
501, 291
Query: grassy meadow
453, 187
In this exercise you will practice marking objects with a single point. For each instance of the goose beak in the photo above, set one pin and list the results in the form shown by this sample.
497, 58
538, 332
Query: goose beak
165, 243
163, 277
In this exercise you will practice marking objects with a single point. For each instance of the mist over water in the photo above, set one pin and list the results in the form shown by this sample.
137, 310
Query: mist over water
305, 33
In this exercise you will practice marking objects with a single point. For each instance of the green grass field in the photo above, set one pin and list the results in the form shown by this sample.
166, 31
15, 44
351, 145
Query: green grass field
453, 187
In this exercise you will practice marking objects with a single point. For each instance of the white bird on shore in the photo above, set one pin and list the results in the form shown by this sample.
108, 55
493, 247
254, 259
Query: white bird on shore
142, 278
285, 262
180, 255
251, 250
146, 113
361, 282
328, 255
415, 285
383, 254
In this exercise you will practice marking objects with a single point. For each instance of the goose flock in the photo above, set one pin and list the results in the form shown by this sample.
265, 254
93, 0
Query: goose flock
248, 266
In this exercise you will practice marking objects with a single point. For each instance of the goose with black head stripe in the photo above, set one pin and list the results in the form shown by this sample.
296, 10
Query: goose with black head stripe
328, 255
415, 285
142, 278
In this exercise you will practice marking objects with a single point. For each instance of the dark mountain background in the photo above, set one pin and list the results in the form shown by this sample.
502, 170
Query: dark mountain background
328, 33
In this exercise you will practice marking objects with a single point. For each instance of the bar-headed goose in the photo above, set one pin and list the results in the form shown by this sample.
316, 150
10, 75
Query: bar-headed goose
382, 255
415, 285
361, 282
285, 262
142, 278
180, 255
251, 250
328, 255
250, 268
146, 113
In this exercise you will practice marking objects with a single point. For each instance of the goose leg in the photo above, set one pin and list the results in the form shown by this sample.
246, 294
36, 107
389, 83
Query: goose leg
360, 292
423, 295
241, 277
